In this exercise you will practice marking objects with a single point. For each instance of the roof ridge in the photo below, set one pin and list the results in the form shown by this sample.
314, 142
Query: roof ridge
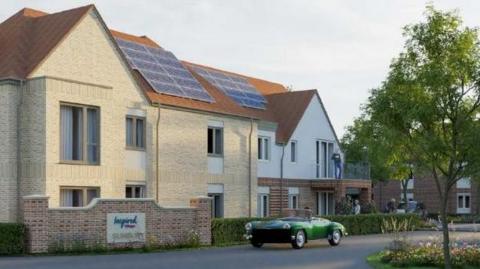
228, 72
143, 39
33, 13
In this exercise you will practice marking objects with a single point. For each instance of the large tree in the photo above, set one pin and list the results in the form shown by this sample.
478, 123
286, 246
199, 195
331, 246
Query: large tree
431, 99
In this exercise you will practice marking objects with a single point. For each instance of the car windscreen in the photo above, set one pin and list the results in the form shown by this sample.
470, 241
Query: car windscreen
293, 219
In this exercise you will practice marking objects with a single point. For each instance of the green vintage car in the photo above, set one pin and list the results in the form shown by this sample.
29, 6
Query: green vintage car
294, 230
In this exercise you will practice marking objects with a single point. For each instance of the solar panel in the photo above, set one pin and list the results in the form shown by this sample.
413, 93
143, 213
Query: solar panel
163, 71
235, 87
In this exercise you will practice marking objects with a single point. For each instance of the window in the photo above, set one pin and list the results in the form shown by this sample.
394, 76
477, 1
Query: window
293, 151
135, 127
263, 148
323, 159
135, 191
325, 203
293, 194
77, 196
80, 134
217, 204
215, 141
293, 201
464, 183
463, 203
410, 184
263, 205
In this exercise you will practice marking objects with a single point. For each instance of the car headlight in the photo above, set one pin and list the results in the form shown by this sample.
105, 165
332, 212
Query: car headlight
248, 226
286, 226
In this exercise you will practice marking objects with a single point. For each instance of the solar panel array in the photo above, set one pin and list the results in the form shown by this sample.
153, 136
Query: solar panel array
163, 71
235, 87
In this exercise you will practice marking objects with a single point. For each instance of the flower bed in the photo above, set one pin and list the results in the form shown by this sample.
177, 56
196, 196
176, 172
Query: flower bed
430, 253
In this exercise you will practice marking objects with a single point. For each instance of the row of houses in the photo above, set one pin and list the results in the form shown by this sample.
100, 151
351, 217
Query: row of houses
84, 113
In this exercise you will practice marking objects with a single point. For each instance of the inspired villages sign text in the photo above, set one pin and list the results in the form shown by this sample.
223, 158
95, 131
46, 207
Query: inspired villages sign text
125, 227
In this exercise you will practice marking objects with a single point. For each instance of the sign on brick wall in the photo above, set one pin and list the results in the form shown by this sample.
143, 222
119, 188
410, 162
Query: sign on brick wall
125, 227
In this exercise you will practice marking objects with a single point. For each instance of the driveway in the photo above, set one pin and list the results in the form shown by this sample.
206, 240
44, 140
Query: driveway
318, 254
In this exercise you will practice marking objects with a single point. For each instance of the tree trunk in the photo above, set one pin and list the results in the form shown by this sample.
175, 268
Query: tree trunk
446, 235
405, 190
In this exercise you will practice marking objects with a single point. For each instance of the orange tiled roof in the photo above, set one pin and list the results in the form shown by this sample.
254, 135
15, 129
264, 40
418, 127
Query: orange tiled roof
138, 39
28, 36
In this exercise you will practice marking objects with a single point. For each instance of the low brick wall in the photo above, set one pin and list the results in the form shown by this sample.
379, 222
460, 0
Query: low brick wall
88, 226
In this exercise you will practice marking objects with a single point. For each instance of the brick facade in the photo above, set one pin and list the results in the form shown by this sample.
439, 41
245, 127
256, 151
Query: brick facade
86, 68
308, 190
425, 191
88, 225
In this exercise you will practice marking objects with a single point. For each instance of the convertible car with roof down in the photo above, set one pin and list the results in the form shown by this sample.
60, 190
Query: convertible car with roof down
296, 230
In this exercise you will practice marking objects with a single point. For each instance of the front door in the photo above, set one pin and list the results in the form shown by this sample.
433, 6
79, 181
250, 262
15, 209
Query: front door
217, 204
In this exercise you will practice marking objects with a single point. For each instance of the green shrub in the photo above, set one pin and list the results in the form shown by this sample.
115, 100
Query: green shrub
230, 231
12, 238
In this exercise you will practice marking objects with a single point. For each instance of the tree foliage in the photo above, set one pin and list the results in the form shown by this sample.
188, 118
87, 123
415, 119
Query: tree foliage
428, 107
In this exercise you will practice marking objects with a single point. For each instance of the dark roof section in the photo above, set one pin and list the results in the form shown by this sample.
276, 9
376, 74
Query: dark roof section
265, 87
29, 36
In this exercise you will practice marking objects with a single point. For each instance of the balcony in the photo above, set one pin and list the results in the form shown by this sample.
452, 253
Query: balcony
349, 171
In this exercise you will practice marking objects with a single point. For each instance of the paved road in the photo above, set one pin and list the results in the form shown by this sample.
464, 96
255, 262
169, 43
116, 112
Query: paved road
350, 254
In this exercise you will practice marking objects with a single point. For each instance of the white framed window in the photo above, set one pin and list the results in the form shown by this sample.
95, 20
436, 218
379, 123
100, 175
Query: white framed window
463, 203
410, 184
135, 191
135, 132
293, 151
77, 196
409, 196
293, 196
263, 202
263, 148
217, 204
79, 134
323, 159
464, 183
215, 141
325, 203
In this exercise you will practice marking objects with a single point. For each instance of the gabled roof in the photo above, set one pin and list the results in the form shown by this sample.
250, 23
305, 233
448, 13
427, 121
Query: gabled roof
29, 36
288, 109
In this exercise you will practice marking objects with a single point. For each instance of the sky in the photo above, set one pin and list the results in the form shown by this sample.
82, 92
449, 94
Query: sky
341, 48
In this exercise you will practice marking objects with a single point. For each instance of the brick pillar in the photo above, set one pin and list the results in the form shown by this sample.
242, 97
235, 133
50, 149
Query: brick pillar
340, 192
203, 218
35, 218
365, 196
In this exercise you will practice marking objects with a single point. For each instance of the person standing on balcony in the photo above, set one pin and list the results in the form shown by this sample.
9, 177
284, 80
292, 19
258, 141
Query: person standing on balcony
337, 160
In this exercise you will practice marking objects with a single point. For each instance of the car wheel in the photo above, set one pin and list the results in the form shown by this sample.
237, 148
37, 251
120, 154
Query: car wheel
334, 238
256, 244
299, 240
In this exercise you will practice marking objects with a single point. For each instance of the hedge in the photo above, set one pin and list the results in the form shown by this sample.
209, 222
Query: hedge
231, 230
372, 223
12, 238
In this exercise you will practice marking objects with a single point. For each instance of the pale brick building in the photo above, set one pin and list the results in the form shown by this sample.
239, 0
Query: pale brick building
79, 120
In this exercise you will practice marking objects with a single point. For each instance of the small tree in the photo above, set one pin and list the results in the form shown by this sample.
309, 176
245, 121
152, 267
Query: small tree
431, 99
385, 152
